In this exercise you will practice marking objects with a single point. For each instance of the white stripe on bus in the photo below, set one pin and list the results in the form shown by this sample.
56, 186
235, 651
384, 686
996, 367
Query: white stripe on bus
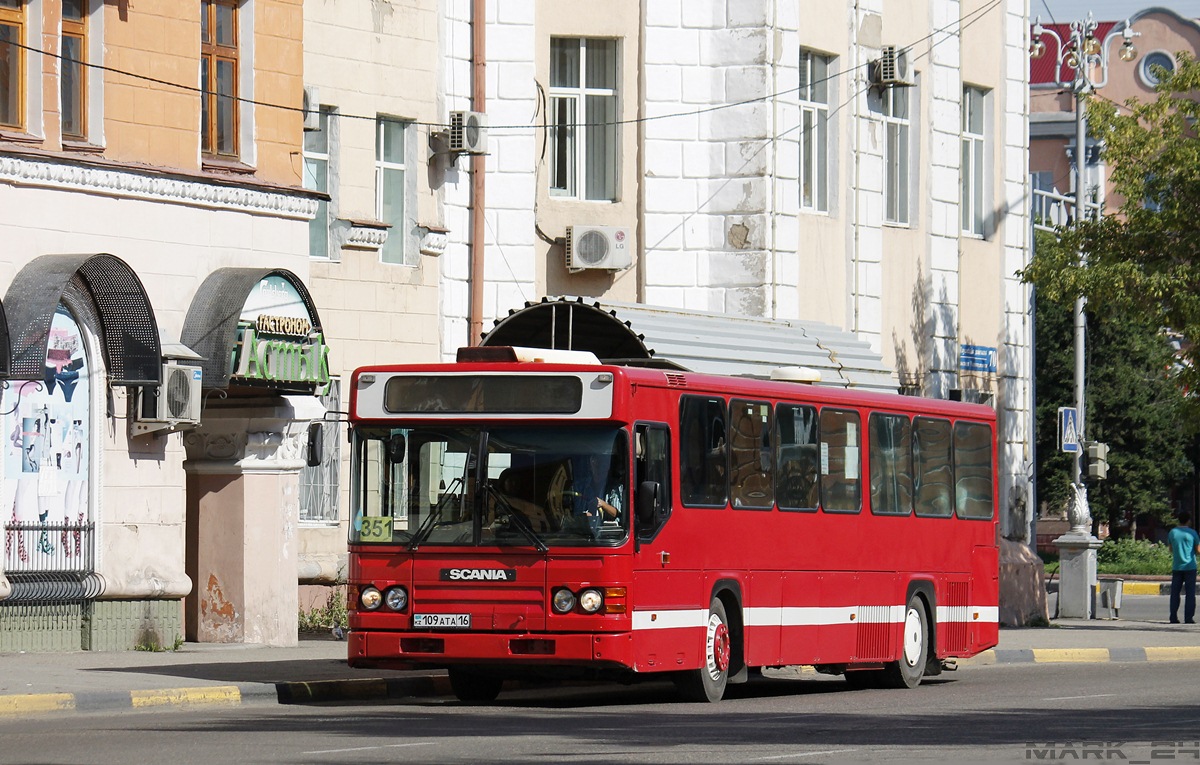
811, 616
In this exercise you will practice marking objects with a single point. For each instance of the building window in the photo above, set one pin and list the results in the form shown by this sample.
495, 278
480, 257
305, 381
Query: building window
391, 186
583, 112
814, 136
973, 166
73, 80
896, 154
219, 77
12, 63
319, 484
316, 177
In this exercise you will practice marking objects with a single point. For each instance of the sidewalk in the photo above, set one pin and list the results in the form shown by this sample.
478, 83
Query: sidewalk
315, 670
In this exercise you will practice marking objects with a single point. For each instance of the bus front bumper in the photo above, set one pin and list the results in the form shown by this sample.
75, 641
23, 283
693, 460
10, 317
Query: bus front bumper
382, 649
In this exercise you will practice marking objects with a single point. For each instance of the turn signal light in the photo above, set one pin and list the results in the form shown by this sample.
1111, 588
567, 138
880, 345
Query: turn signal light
614, 600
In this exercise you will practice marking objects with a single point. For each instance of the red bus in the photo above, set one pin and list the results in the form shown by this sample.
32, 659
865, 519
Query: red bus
519, 513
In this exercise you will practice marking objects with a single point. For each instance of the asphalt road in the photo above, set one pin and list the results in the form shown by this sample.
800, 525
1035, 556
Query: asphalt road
1136, 712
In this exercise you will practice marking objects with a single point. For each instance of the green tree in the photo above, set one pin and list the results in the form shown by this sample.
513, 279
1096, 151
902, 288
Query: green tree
1144, 262
1132, 402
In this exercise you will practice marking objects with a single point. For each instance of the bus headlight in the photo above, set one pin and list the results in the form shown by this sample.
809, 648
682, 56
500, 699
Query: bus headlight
396, 598
591, 600
370, 598
563, 601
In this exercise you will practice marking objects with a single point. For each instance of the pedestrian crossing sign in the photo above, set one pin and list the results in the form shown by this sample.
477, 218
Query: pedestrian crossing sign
1068, 429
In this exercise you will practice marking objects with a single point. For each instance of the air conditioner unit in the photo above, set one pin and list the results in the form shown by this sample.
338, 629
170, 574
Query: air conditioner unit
892, 68
607, 248
468, 132
312, 108
173, 404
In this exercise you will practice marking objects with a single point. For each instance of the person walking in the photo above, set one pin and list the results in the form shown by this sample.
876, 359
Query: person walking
1184, 543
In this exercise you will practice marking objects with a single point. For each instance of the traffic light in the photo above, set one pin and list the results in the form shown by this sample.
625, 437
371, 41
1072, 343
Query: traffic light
1097, 460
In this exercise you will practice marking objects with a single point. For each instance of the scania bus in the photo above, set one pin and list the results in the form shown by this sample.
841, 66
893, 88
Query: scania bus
525, 512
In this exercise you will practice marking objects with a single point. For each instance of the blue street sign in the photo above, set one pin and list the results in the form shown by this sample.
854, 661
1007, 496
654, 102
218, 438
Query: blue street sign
977, 358
1068, 429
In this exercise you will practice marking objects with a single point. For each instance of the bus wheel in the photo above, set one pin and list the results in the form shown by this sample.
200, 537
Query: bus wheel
708, 682
472, 687
914, 648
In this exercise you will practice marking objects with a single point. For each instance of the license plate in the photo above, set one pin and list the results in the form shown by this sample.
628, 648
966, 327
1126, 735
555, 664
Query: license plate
442, 621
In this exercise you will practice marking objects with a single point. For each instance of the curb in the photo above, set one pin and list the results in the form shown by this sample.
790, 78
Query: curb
1146, 588
226, 695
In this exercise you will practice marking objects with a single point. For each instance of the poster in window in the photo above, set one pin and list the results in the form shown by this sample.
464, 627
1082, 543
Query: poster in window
46, 456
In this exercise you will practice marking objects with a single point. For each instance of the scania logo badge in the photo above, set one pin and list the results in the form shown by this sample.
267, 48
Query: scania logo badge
479, 575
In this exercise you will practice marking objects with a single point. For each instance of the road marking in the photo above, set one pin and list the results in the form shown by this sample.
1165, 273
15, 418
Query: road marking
369, 748
803, 754
1164, 653
1073, 698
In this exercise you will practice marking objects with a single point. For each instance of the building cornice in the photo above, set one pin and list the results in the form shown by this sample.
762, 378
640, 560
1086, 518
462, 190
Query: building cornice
103, 178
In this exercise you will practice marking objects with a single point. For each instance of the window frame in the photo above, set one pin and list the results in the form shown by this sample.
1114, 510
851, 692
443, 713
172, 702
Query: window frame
397, 234
921, 475
713, 455
877, 460
760, 450
14, 17
212, 55
76, 29
813, 470
897, 189
852, 452
311, 156
814, 130
964, 471
973, 172
578, 137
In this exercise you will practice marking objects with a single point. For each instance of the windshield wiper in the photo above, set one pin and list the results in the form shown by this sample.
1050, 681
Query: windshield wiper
431, 521
514, 518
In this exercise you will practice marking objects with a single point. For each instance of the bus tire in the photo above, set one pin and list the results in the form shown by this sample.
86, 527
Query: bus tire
914, 647
707, 684
473, 687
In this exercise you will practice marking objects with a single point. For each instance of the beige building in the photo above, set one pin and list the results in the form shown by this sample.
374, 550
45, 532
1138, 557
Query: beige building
152, 213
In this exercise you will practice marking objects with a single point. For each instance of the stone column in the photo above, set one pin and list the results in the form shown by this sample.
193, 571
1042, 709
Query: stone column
243, 509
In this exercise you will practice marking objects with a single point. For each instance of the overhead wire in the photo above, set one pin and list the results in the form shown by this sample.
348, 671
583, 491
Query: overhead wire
962, 24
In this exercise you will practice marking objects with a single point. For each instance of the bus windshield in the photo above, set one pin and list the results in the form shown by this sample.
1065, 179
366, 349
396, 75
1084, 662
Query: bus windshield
490, 486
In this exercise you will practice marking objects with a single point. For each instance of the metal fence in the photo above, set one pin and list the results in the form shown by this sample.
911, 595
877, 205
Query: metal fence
51, 562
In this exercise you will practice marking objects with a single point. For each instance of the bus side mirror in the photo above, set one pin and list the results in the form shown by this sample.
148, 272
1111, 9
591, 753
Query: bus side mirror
395, 449
316, 445
646, 504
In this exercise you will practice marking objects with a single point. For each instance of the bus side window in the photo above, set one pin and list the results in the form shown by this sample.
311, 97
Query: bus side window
841, 463
652, 465
973, 470
891, 464
751, 473
797, 457
932, 467
702, 451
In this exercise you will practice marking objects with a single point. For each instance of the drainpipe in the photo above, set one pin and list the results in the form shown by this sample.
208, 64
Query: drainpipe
641, 154
478, 173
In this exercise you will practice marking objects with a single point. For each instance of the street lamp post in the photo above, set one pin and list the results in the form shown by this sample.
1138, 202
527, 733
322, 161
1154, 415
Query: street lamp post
1084, 55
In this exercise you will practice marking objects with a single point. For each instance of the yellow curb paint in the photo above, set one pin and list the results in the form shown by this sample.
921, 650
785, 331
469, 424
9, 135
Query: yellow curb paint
1182, 653
1141, 588
39, 702
1064, 655
218, 694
